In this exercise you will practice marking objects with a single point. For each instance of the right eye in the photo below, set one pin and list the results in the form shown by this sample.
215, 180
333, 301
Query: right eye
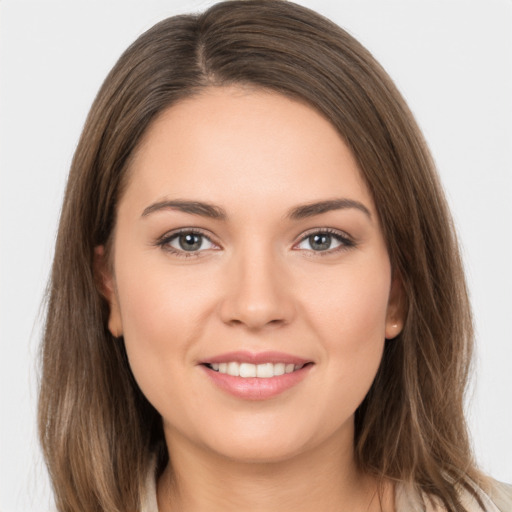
186, 243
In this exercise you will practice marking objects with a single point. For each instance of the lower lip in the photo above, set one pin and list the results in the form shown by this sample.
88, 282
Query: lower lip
254, 388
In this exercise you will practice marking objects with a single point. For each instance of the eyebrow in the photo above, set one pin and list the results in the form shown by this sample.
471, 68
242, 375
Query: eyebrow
193, 207
312, 209
216, 212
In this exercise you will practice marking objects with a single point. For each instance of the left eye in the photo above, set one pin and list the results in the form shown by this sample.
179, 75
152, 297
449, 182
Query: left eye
322, 241
189, 241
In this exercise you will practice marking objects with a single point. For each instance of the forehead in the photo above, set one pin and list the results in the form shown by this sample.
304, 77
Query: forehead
251, 144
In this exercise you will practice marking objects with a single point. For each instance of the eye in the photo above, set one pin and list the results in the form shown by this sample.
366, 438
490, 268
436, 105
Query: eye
325, 241
186, 242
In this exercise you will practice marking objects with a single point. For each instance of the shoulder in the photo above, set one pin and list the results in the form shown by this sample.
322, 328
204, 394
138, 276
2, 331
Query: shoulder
497, 497
149, 498
501, 495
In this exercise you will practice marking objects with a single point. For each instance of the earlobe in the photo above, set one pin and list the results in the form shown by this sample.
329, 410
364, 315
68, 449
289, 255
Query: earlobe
106, 286
396, 309
393, 329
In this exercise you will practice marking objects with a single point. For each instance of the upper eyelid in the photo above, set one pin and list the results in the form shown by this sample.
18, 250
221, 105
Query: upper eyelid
330, 231
175, 232
213, 239
164, 243
345, 240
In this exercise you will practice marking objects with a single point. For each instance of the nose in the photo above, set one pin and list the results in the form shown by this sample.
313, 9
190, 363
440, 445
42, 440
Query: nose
257, 292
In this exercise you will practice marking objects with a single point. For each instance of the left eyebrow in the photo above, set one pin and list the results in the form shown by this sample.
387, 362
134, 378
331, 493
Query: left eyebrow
312, 209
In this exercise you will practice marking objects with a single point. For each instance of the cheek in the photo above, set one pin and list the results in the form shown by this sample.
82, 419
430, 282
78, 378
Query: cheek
350, 320
161, 316
350, 299
165, 309
157, 299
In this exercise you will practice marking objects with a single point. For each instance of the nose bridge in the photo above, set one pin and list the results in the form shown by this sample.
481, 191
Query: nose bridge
256, 293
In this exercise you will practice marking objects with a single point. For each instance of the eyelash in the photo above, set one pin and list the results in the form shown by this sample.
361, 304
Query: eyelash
345, 241
165, 240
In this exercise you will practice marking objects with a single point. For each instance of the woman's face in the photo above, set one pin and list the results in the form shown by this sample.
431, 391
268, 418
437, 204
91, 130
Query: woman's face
247, 242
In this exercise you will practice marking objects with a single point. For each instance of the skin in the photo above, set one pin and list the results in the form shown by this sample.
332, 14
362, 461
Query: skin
256, 284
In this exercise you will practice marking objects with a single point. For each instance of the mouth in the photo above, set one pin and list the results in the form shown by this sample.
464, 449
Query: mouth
256, 376
250, 370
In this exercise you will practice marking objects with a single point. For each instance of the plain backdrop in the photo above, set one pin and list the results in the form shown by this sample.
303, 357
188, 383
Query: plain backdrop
452, 60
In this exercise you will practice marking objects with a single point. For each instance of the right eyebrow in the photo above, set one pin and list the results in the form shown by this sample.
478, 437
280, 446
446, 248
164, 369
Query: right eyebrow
194, 207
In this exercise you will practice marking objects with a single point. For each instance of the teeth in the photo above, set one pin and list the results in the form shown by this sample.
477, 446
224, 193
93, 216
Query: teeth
234, 369
262, 371
279, 369
246, 369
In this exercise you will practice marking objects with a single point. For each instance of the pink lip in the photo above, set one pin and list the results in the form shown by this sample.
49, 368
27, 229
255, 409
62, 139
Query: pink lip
254, 388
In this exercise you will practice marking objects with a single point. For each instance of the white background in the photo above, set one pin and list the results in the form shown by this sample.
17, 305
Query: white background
451, 59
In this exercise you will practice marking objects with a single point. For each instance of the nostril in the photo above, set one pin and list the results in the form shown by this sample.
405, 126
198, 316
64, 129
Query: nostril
256, 306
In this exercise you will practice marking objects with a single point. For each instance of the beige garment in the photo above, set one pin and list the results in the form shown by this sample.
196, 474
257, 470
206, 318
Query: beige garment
149, 503
406, 500
499, 500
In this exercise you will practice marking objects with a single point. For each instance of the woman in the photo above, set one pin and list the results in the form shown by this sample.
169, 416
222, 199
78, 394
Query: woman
257, 298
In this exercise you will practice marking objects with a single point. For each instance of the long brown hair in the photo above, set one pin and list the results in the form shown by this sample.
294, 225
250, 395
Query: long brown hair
99, 433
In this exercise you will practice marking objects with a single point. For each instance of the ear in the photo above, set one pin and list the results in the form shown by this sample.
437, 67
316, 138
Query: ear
395, 315
106, 285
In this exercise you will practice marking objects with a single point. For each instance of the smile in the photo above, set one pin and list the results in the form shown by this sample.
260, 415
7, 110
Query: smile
248, 370
256, 376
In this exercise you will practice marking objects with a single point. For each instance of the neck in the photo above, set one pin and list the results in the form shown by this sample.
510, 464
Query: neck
324, 479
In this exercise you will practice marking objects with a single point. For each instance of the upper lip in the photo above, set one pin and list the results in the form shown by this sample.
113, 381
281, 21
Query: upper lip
256, 358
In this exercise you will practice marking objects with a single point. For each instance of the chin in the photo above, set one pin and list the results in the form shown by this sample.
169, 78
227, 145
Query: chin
263, 452
274, 444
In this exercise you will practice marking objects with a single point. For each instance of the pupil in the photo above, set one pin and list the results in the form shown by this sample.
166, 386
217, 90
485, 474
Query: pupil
190, 242
320, 242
